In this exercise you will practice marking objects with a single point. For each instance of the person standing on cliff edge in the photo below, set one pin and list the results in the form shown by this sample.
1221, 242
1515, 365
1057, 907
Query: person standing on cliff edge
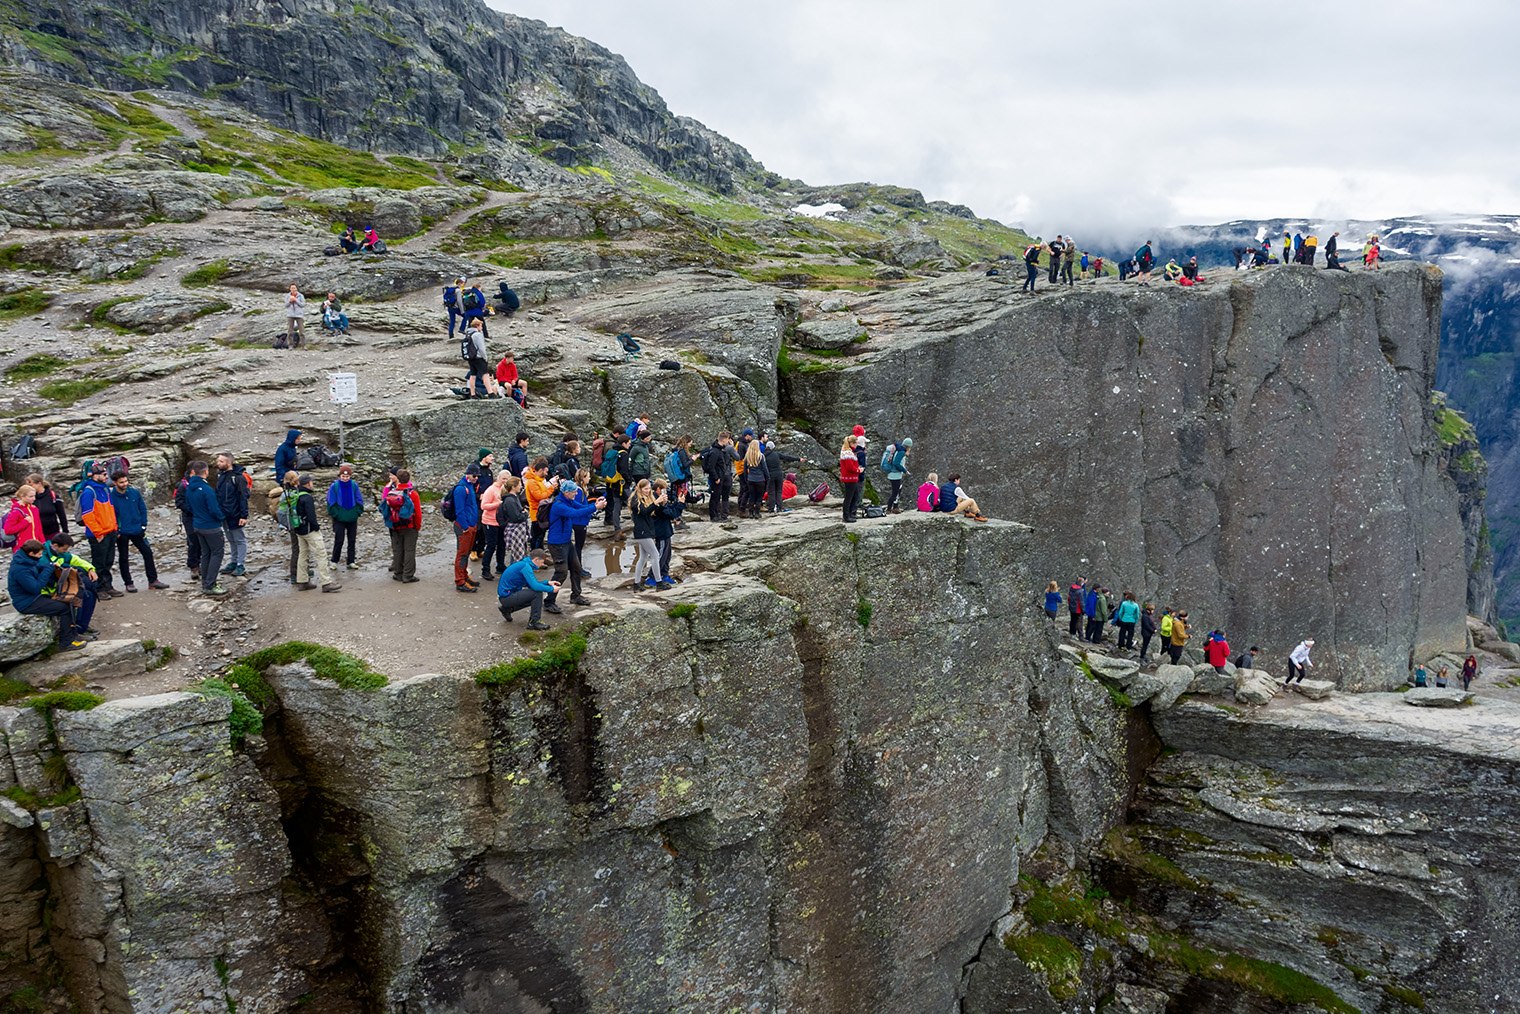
1031, 266
1298, 663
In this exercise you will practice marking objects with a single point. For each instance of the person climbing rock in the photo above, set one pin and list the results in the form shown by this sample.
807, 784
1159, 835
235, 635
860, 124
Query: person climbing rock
1299, 663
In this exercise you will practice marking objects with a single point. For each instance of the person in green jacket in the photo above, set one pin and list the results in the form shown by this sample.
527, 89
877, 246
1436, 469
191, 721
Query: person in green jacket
1100, 615
345, 502
1125, 618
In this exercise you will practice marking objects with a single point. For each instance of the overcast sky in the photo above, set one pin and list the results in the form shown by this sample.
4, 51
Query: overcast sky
1097, 117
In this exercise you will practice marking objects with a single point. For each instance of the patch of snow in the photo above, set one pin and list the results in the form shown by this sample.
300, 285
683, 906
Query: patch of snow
828, 210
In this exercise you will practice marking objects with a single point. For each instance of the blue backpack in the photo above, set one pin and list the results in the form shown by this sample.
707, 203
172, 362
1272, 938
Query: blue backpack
673, 470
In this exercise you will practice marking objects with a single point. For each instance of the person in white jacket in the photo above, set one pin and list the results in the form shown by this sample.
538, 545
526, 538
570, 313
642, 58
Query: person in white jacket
1298, 662
295, 313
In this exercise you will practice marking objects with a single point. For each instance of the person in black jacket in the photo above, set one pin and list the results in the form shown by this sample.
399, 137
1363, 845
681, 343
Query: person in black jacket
620, 492
565, 461
232, 496
1147, 628
308, 531
775, 472
718, 462
666, 518
517, 457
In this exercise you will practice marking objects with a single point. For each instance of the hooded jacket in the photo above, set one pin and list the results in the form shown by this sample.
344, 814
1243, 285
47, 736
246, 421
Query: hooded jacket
285, 455
27, 579
928, 497
22, 523
201, 499
466, 504
1217, 652
563, 514
95, 508
718, 463
131, 511
232, 494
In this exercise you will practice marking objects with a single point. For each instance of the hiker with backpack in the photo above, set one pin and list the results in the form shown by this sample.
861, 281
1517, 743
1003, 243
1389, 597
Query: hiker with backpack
99, 519
775, 470
472, 348
132, 528
233, 485
29, 576
1144, 261
1068, 256
640, 423
566, 461
564, 514
540, 488
345, 502
677, 467
507, 379
451, 295
285, 455
894, 461
206, 521
1247, 659
615, 478
50, 506
718, 462
1031, 266
23, 522
295, 316
640, 456
756, 478
462, 507
472, 303
401, 510
519, 586
298, 509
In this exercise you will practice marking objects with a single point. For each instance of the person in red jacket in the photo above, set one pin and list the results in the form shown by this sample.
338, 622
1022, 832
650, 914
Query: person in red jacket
1217, 651
23, 522
849, 478
506, 376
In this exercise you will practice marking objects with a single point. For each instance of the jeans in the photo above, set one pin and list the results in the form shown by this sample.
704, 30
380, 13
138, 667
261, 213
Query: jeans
664, 547
567, 563
1076, 624
212, 545
337, 323
485, 330
464, 541
342, 529
237, 543
534, 600
313, 553
648, 561
895, 493
139, 540
192, 546
102, 555
491, 544
1029, 279
52, 607
614, 515
1145, 643
851, 499
454, 314
404, 552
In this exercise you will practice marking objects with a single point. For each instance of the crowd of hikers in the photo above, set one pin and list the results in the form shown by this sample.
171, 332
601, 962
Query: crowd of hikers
1064, 261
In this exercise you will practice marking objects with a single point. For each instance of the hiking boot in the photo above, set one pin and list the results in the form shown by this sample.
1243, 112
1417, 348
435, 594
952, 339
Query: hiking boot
195, 573
353, 566
332, 586
538, 625
217, 589
395, 577
72, 646
229, 569
132, 588
410, 580
663, 586
305, 586
159, 585
466, 588
552, 607
579, 600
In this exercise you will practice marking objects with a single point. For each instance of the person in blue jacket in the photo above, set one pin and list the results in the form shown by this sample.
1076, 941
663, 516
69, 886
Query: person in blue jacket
564, 514
474, 303
285, 454
1052, 599
131, 528
519, 586
29, 574
465, 498
206, 520
517, 455
1090, 610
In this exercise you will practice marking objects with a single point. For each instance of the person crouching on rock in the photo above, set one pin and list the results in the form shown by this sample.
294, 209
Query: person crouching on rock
29, 575
1299, 663
519, 586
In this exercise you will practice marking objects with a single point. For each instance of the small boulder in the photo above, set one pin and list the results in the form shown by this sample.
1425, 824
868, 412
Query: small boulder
1436, 697
161, 310
1206, 679
23, 636
1174, 681
1504, 649
1252, 686
1130, 999
1112, 669
833, 305
1315, 690
95, 660
829, 334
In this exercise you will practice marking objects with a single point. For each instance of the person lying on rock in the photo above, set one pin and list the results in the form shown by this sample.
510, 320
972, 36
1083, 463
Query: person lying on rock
29, 576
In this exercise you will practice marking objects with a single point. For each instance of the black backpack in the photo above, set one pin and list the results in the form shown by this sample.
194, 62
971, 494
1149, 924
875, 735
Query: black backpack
472, 300
544, 506
464, 347
446, 505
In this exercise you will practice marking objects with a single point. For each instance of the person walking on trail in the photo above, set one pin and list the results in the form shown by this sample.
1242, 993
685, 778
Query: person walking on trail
1031, 266
647, 512
1179, 636
1299, 663
132, 528
232, 489
285, 454
564, 514
1099, 615
473, 303
295, 316
451, 296
1076, 605
23, 522
1469, 671
519, 586
401, 509
345, 502
30, 574
207, 522
308, 530
849, 478
1217, 651
1247, 659
1125, 618
101, 529
718, 462
1052, 600
464, 511
895, 463
1147, 628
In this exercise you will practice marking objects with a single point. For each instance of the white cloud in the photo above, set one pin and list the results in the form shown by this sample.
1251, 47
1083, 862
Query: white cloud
1099, 118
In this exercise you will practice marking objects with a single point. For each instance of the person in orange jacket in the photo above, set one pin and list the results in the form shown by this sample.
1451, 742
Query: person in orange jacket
99, 518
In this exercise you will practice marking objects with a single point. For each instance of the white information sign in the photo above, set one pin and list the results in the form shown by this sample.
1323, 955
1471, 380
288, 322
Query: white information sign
343, 388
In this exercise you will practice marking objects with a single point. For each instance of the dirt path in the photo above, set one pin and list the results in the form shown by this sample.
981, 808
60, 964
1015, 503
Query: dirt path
176, 118
429, 240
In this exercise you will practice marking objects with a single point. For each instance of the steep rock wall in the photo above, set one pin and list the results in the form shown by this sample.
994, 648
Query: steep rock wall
1260, 453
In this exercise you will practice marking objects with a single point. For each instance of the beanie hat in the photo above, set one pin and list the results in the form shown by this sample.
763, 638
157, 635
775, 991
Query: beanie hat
568, 488
472, 470
304, 479
907, 441
859, 431
748, 433
484, 453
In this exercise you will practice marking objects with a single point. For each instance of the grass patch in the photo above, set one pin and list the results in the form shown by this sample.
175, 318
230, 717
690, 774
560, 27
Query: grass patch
785, 364
32, 801
23, 303
66, 392
11, 260
1407, 997
68, 700
863, 612
1121, 700
207, 274
559, 655
344, 669
39, 364
1126, 850
1265, 978
245, 719
1054, 957
317, 165
681, 611
13, 690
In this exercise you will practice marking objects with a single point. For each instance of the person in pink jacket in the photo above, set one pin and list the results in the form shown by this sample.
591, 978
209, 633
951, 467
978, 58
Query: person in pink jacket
23, 521
928, 493
492, 541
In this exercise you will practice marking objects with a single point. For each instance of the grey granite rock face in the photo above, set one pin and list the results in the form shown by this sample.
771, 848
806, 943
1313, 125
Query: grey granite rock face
86, 200
21, 636
1215, 448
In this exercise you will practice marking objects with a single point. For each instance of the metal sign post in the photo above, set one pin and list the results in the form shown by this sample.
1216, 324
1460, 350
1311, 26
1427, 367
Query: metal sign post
342, 389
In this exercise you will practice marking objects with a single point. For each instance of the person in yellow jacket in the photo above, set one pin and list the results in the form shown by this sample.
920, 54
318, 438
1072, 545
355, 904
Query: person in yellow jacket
1179, 635
99, 519
540, 488
1287, 248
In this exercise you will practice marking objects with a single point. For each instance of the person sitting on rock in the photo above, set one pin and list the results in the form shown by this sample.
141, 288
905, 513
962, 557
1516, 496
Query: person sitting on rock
953, 499
1173, 271
928, 493
285, 454
348, 241
507, 376
371, 237
1299, 663
519, 586
29, 576
1190, 271
333, 317
59, 551
295, 316
23, 522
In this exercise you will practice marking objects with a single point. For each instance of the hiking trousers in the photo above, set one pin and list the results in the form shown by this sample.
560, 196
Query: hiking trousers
404, 552
102, 556
851, 499
341, 530
718, 494
509, 604
567, 563
212, 544
1126, 635
895, 493
140, 540
192, 547
1145, 643
773, 494
237, 544
464, 541
1029, 279
313, 552
1076, 623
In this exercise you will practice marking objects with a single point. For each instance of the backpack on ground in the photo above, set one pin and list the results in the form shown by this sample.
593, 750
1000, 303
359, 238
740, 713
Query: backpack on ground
472, 300
281, 341
287, 512
24, 448
378, 247
669, 364
673, 470
331, 251
873, 511
446, 505
819, 492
